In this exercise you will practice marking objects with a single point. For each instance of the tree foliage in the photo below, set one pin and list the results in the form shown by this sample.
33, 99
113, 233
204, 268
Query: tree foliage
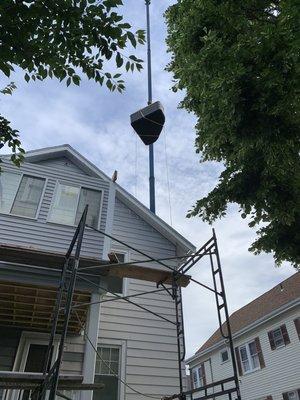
65, 39
238, 62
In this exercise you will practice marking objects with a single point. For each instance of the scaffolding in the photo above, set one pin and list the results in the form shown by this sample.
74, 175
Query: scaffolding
168, 279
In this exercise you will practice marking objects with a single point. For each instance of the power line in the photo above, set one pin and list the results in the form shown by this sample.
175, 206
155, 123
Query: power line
128, 300
107, 364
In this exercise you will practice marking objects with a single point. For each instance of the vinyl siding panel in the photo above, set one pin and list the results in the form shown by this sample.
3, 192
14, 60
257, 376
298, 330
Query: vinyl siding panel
151, 347
42, 235
63, 164
282, 370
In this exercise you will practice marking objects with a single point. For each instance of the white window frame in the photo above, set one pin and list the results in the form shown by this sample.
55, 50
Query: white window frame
28, 338
66, 183
249, 357
198, 378
224, 351
122, 345
125, 280
21, 174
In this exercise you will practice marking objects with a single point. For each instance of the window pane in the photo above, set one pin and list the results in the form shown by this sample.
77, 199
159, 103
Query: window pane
28, 196
115, 355
246, 365
107, 361
110, 390
255, 361
243, 353
92, 198
9, 183
224, 356
278, 338
252, 348
65, 204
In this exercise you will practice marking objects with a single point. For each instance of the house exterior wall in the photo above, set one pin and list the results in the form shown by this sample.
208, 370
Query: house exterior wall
282, 370
150, 343
47, 236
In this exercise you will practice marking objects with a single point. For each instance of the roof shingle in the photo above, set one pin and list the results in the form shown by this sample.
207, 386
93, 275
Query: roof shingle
268, 302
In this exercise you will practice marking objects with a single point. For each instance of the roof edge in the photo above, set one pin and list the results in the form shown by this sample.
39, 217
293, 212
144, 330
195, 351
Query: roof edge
255, 324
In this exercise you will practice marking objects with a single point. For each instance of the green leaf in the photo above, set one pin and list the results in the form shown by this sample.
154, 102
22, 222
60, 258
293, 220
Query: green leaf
131, 38
119, 60
27, 77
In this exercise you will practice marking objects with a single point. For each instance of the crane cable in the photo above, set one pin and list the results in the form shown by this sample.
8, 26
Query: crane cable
168, 178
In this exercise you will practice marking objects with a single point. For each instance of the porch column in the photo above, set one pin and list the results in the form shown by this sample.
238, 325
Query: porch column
92, 329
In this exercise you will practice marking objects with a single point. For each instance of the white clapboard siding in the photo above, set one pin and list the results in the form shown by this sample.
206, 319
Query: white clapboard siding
282, 370
151, 347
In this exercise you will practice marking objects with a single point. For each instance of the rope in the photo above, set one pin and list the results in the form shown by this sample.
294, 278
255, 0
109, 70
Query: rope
168, 179
109, 368
151, 120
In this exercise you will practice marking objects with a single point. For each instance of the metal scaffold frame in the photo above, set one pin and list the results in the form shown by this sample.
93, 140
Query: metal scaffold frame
71, 272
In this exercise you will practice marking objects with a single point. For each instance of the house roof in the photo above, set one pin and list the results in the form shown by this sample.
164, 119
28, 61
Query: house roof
278, 296
65, 150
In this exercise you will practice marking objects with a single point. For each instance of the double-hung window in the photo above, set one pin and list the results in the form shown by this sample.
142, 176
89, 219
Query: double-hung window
20, 194
249, 357
69, 203
278, 337
107, 372
198, 376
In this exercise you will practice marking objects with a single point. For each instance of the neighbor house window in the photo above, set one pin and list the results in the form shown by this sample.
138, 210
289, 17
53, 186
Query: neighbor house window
198, 376
292, 395
278, 337
69, 203
249, 357
20, 194
224, 356
115, 284
108, 372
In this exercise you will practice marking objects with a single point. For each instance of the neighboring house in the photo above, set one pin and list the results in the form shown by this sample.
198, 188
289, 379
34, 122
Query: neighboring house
40, 204
266, 334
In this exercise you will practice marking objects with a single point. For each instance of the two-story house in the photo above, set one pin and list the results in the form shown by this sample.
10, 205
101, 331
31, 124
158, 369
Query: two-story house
40, 205
266, 335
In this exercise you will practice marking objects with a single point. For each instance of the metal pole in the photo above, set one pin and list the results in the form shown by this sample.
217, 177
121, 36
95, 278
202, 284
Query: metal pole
151, 146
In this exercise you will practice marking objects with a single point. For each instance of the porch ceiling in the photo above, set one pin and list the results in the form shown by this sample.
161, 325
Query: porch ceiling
32, 307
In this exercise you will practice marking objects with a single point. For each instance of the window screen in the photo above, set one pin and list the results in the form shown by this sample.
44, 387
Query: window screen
28, 196
9, 184
92, 198
20, 195
69, 203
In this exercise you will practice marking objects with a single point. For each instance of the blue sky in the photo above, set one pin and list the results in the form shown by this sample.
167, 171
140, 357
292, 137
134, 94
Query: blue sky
96, 123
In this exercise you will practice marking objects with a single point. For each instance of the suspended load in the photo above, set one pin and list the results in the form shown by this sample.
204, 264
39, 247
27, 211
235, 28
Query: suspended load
148, 122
